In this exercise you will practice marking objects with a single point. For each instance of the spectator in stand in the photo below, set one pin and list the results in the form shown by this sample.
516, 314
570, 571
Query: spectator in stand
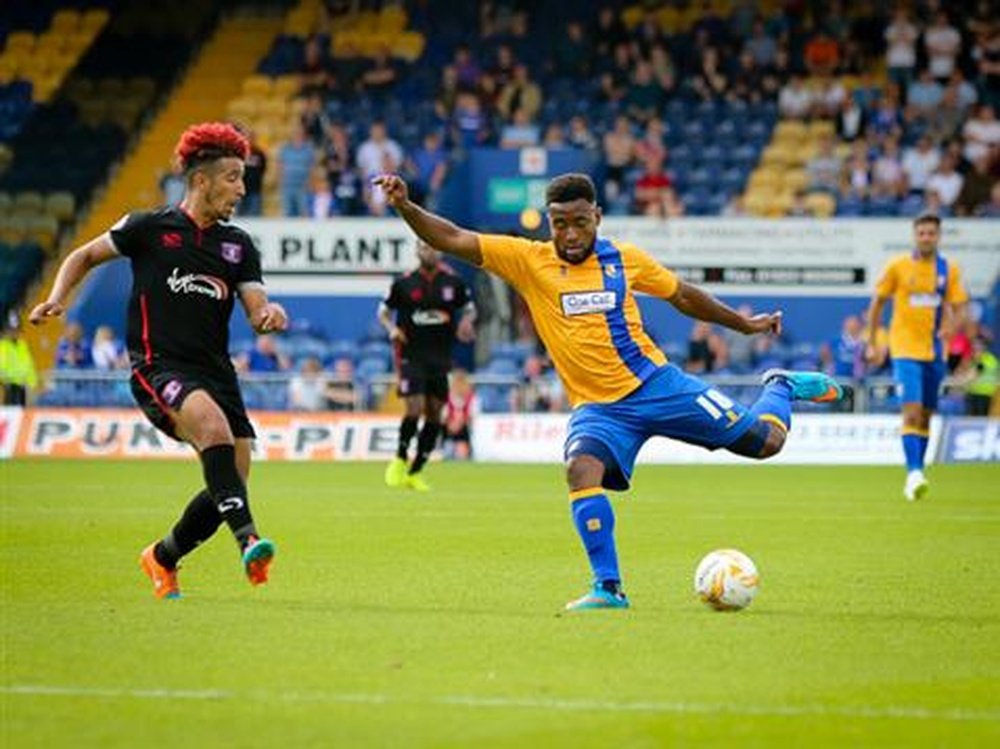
933, 205
458, 416
982, 379
571, 54
644, 96
945, 120
763, 48
651, 188
466, 67
540, 391
888, 177
608, 33
347, 67
965, 93
887, 116
307, 388
795, 100
315, 72
470, 126
855, 180
992, 208
380, 77
72, 351
901, 46
343, 178
851, 120
428, 168
919, 163
849, 349
943, 44
254, 168
520, 93
172, 187
987, 56
664, 72
616, 79
107, 351
447, 92
960, 345
747, 80
314, 119
829, 96
378, 152
321, 199
520, 132
946, 181
740, 347
822, 54
580, 135
982, 134
976, 187
296, 158
652, 145
924, 95
340, 393
824, 168
265, 356
555, 137
703, 347
710, 81
798, 208
503, 67
619, 156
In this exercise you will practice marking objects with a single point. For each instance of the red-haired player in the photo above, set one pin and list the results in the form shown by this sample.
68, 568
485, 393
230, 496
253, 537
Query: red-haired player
188, 266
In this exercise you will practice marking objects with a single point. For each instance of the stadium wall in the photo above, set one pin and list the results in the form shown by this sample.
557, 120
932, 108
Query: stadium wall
511, 438
332, 273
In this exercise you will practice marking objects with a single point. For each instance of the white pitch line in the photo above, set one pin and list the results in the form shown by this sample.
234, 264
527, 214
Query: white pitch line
571, 705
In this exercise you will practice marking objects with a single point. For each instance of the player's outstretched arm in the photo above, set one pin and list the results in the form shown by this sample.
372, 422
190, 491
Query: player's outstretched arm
701, 305
73, 270
438, 232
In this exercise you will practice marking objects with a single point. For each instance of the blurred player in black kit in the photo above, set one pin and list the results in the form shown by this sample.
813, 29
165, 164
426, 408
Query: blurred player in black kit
432, 307
188, 267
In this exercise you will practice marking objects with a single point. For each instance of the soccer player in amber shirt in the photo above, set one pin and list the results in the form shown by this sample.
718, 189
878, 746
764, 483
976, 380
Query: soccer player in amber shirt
188, 266
928, 302
580, 288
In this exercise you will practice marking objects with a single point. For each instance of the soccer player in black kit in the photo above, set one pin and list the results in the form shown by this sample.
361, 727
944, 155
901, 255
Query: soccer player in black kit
432, 307
188, 266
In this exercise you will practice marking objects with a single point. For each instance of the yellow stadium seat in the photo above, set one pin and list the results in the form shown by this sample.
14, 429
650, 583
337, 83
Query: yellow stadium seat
257, 85
821, 128
789, 130
6, 201
777, 154
243, 108
14, 228
392, 19
60, 205
757, 203
286, 85
20, 42
779, 204
632, 16
94, 19
43, 229
822, 204
408, 46
795, 179
273, 108
28, 201
766, 179
65, 21
668, 19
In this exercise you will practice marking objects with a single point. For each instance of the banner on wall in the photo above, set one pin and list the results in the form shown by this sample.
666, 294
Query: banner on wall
839, 257
798, 257
10, 427
815, 439
125, 433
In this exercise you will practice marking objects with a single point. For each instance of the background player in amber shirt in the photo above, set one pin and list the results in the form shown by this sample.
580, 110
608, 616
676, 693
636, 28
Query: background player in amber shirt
928, 303
579, 288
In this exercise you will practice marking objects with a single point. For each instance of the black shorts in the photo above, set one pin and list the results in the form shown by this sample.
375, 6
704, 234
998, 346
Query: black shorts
162, 386
416, 378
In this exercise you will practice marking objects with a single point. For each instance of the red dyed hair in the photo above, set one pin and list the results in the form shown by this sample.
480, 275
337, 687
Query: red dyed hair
208, 141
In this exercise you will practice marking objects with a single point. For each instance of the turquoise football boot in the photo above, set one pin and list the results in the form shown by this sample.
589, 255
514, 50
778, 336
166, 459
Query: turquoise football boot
598, 598
807, 386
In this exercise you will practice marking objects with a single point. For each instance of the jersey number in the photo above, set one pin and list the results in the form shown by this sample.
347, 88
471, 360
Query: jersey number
715, 403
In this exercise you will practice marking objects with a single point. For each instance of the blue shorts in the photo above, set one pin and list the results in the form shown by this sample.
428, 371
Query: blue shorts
671, 403
918, 381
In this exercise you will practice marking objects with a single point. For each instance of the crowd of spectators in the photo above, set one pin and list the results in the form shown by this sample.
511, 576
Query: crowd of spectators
913, 95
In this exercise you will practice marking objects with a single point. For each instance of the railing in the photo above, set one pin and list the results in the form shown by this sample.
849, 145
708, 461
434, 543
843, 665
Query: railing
497, 393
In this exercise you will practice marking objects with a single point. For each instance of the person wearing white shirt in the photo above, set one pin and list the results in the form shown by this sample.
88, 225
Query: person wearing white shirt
901, 47
946, 182
981, 134
378, 151
920, 162
943, 43
795, 100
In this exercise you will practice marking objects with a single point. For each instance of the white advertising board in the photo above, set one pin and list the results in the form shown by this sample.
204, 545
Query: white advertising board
815, 439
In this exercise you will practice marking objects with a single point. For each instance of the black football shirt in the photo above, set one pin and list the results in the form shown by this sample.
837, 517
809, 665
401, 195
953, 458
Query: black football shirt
428, 306
185, 280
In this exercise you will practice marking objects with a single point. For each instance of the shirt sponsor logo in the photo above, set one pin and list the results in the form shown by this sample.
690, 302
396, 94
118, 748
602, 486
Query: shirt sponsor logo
448, 293
171, 240
588, 302
232, 252
424, 317
925, 300
197, 283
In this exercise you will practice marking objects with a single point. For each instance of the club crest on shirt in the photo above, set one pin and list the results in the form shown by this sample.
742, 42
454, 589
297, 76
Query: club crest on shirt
232, 252
448, 293
171, 240
171, 391
610, 271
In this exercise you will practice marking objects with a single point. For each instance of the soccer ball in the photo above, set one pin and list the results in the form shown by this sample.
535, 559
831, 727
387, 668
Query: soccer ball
726, 580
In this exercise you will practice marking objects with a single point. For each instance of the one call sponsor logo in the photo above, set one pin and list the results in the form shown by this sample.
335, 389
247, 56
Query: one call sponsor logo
971, 441
588, 302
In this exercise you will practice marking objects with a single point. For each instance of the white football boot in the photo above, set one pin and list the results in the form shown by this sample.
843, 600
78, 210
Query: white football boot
916, 486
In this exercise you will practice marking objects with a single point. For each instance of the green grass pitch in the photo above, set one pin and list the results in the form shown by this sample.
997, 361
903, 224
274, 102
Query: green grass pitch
398, 620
